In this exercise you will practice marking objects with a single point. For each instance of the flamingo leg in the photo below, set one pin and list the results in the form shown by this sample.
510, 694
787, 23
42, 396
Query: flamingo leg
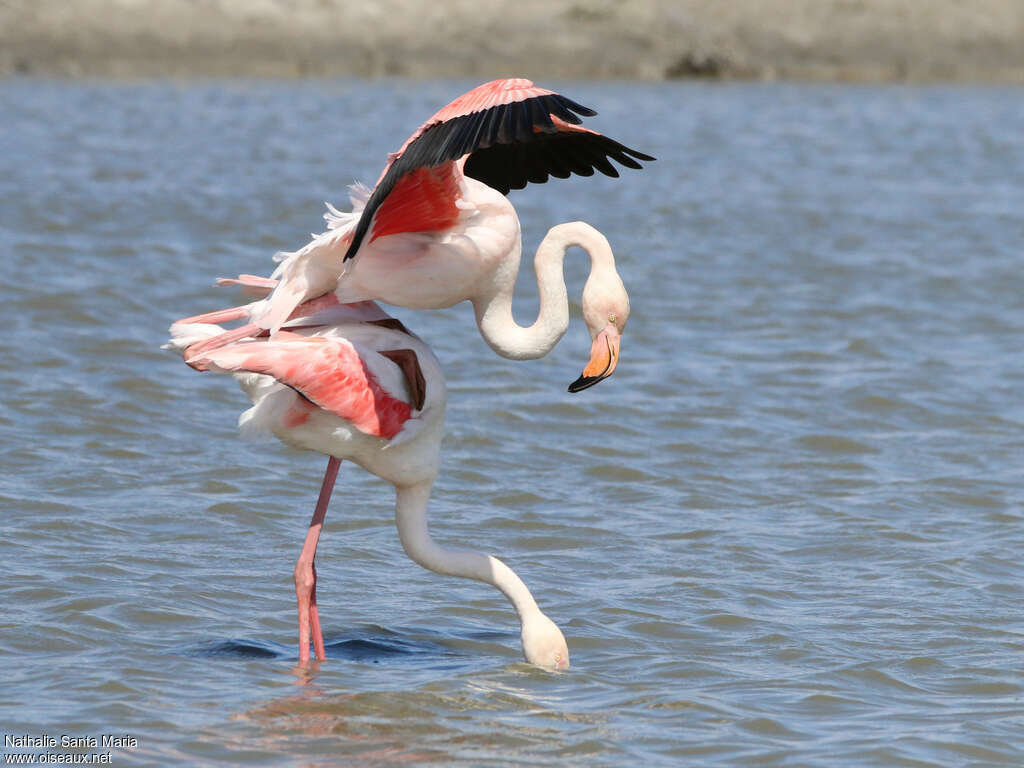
305, 571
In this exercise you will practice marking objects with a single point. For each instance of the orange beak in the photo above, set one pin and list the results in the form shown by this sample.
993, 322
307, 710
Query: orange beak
604, 356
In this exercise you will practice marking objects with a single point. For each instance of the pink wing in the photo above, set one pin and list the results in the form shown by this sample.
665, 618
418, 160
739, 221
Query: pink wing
423, 200
483, 97
328, 372
510, 132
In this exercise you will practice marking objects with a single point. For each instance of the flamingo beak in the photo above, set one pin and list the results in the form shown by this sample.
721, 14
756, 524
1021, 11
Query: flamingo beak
604, 356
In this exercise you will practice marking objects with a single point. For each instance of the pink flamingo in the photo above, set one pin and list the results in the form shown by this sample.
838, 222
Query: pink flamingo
351, 382
437, 229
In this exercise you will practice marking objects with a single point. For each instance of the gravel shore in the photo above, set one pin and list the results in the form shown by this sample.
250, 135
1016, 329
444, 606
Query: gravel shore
859, 40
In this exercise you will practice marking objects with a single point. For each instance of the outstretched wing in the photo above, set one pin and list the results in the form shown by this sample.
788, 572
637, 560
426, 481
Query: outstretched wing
565, 150
513, 133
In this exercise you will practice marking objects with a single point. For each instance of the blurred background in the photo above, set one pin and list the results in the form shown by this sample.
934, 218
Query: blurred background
863, 40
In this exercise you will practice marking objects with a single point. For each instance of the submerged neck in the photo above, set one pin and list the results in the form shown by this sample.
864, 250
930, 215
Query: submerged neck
494, 310
411, 517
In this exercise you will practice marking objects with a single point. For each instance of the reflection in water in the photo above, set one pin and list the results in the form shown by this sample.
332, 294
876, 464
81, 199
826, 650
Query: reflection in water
507, 715
372, 644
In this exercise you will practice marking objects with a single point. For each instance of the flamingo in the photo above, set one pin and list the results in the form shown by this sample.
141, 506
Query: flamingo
351, 382
437, 229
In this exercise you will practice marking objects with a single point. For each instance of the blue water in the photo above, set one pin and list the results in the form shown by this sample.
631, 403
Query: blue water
787, 531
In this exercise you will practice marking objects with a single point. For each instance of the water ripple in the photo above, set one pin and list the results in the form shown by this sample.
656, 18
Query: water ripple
787, 531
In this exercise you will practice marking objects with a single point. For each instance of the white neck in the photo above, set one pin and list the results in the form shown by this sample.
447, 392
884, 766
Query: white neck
411, 517
494, 309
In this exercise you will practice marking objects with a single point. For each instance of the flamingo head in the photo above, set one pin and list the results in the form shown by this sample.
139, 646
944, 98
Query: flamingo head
605, 310
544, 644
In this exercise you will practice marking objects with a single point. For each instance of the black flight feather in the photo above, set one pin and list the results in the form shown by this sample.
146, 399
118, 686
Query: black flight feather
509, 145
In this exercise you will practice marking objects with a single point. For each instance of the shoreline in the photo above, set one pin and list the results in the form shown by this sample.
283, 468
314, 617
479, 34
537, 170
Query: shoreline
871, 41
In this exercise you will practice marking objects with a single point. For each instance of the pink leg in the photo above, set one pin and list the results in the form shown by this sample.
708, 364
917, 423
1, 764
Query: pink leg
305, 571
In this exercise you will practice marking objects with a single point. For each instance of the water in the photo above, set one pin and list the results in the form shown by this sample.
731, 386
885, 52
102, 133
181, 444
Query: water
787, 531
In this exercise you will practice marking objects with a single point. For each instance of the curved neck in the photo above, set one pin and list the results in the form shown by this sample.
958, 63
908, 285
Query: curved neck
494, 309
411, 517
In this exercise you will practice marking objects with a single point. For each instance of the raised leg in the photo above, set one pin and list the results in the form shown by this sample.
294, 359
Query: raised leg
305, 571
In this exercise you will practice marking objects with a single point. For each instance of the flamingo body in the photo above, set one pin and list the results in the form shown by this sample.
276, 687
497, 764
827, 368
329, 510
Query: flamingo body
351, 382
437, 228
333, 381
434, 270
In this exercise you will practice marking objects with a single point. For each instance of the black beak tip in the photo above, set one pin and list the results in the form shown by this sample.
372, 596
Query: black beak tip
583, 382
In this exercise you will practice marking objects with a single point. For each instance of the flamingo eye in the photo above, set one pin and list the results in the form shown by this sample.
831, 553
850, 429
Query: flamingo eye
612, 318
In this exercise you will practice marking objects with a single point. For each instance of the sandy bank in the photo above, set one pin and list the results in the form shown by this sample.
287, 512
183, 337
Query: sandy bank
645, 39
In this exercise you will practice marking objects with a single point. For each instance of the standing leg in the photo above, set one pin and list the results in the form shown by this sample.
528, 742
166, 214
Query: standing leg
305, 571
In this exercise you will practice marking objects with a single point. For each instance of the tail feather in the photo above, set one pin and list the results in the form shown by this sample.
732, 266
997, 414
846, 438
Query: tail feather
184, 335
251, 285
358, 195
